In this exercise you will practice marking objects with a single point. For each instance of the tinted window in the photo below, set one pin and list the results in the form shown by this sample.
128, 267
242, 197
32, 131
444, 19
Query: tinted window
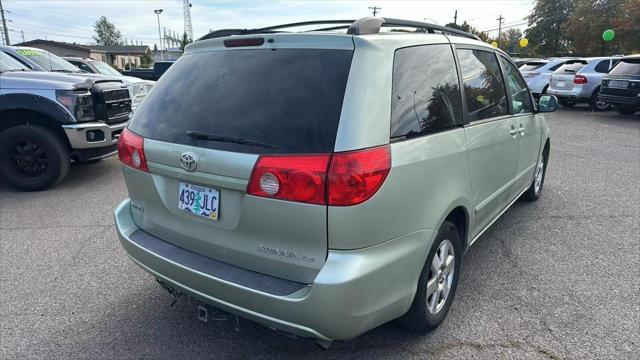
602, 67
288, 98
483, 86
520, 97
8, 63
571, 66
531, 66
82, 66
426, 95
555, 67
627, 67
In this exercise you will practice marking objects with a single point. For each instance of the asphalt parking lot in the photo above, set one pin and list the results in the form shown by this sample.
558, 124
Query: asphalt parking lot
559, 278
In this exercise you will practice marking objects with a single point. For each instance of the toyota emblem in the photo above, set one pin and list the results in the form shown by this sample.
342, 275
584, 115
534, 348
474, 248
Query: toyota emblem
189, 161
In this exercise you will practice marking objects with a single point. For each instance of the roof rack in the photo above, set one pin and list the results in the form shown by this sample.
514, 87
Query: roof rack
363, 26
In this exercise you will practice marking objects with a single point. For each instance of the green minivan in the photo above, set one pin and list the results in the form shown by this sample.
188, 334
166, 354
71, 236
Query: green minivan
325, 182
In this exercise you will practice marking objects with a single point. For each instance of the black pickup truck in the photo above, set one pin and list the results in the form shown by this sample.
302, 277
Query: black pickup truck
159, 67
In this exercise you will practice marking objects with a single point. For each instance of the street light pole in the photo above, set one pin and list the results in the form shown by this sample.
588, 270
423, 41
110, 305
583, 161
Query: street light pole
158, 12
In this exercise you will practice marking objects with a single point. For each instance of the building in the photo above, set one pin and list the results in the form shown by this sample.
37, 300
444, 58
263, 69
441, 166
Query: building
117, 55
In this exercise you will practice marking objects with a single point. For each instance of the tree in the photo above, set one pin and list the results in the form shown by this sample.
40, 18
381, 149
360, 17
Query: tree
627, 27
546, 32
185, 41
466, 27
587, 22
511, 40
106, 32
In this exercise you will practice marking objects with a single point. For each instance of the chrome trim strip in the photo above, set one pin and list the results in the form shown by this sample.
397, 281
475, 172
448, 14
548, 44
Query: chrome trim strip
497, 217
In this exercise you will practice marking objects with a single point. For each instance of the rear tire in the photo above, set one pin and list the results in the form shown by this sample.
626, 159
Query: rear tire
624, 110
535, 189
596, 104
32, 158
438, 281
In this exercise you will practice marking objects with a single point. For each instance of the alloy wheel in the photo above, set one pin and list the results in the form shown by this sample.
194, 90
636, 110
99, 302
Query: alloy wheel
440, 277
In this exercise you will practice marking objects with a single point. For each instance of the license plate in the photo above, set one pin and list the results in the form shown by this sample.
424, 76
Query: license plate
560, 83
199, 200
618, 84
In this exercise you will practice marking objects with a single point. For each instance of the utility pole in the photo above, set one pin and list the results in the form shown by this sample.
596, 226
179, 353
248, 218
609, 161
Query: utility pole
187, 20
500, 19
4, 25
455, 18
375, 9
22, 33
158, 12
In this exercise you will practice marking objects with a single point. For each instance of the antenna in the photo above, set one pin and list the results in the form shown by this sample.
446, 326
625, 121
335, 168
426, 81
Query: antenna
187, 20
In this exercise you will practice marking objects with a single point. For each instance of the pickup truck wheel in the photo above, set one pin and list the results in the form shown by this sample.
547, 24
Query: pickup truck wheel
438, 281
534, 191
32, 157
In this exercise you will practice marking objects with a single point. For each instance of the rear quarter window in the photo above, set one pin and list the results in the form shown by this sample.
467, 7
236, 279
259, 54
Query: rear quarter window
425, 92
290, 99
602, 66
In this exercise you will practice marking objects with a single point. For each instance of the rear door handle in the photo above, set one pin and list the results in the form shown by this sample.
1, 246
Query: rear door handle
514, 131
522, 130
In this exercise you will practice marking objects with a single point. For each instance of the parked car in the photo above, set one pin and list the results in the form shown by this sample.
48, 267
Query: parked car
621, 86
578, 81
154, 73
521, 61
138, 88
46, 119
270, 175
538, 74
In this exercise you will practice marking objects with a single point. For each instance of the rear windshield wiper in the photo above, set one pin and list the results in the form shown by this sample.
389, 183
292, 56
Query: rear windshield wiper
236, 140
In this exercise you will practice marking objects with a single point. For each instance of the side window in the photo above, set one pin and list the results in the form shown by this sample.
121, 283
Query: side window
483, 84
603, 67
520, 97
82, 66
425, 91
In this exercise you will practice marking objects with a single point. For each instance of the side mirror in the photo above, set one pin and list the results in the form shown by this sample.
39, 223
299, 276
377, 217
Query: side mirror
547, 103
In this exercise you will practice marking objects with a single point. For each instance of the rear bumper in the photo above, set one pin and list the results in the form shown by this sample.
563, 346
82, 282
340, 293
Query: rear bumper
354, 291
631, 101
576, 94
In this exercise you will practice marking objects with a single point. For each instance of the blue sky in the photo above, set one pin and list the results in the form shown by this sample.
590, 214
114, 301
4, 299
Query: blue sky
72, 20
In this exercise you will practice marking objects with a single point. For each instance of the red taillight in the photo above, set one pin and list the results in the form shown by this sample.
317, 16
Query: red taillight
341, 179
295, 178
244, 42
131, 150
579, 79
355, 176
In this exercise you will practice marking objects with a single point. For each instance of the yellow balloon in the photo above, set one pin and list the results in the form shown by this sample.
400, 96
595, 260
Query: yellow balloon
494, 44
524, 42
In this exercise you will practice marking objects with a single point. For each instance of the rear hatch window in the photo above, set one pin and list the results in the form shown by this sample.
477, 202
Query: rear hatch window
627, 67
251, 101
571, 66
532, 66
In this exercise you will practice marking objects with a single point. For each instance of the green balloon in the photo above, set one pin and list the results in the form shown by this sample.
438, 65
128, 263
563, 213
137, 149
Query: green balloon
608, 35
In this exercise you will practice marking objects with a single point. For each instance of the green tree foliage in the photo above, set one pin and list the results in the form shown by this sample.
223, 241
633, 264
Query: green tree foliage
587, 22
545, 32
627, 28
106, 33
465, 26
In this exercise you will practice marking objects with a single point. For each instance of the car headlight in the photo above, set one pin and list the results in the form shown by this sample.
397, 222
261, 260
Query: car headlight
79, 103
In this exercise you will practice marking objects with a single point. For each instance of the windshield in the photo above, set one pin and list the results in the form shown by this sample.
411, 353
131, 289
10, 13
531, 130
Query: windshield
627, 67
531, 66
48, 60
7, 63
104, 68
288, 98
